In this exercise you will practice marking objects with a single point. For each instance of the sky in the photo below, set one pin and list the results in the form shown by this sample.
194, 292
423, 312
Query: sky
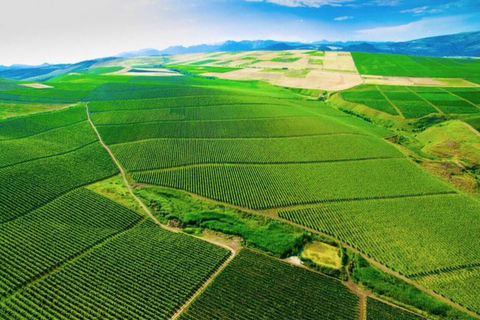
65, 31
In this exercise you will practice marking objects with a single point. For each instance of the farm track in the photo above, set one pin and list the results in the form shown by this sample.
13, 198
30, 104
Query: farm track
426, 101
391, 103
49, 156
373, 262
232, 250
246, 164
71, 259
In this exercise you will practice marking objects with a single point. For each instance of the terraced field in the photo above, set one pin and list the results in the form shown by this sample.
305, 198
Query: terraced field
415, 102
271, 289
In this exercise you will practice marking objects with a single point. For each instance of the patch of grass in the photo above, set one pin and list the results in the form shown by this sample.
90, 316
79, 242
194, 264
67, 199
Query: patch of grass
315, 61
114, 189
260, 232
285, 59
322, 254
316, 53
197, 70
103, 70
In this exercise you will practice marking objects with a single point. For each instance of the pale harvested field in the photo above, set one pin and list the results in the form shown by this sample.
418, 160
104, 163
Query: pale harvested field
147, 72
414, 81
36, 85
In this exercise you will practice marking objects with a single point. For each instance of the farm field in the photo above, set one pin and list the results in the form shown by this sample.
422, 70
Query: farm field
415, 102
414, 66
257, 278
223, 164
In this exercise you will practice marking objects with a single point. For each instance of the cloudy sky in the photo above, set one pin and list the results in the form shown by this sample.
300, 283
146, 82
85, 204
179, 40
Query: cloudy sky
56, 31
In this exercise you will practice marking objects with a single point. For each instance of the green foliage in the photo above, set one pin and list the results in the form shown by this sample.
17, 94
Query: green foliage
270, 186
413, 66
26, 186
461, 284
273, 290
35, 243
103, 70
20, 127
272, 236
260, 232
396, 232
143, 155
389, 286
377, 310
285, 59
146, 272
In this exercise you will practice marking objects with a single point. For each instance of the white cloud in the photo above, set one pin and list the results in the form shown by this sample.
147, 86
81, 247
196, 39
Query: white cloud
417, 29
305, 3
343, 18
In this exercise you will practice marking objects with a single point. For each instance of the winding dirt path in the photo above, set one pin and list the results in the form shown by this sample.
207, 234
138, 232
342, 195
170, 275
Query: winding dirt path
233, 250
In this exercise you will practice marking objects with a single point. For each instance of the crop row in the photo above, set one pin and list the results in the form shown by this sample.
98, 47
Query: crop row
21, 127
407, 234
415, 66
27, 186
254, 286
250, 128
414, 102
35, 243
199, 113
55, 141
145, 273
270, 186
377, 310
461, 286
163, 153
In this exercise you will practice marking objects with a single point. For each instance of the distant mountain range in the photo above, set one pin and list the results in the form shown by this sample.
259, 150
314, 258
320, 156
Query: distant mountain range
465, 44
457, 45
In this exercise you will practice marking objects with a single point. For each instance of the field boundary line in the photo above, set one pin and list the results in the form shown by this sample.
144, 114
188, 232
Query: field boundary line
372, 261
430, 103
390, 101
443, 270
458, 97
246, 164
77, 255
192, 107
246, 138
49, 156
40, 132
2, 223
216, 272
199, 121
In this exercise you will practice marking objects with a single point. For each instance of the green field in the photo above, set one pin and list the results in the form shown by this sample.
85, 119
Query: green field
377, 310
279, 161
415, 102
397, 231
270, 289
414, 66
144, 272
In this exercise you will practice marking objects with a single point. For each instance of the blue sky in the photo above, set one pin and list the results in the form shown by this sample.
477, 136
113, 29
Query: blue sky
34, 32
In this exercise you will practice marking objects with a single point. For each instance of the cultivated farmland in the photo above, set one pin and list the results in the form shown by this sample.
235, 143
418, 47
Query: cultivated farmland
256, 278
